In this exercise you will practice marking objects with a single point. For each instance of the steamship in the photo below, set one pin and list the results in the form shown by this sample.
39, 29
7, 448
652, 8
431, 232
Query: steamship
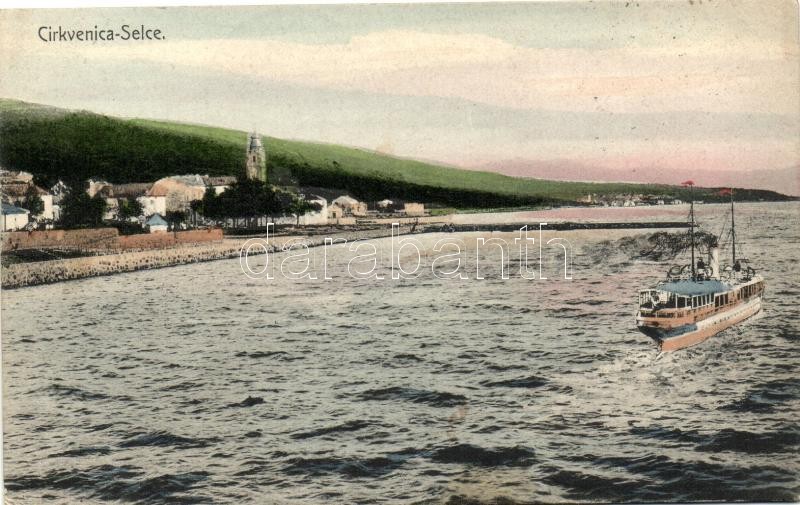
697, 301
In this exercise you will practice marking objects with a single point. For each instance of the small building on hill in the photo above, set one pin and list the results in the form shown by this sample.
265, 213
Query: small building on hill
179, 191
220, 183
11, 176
157, 224
116, 196
350, 206
95, 185
16, 193
413, 209
13, 218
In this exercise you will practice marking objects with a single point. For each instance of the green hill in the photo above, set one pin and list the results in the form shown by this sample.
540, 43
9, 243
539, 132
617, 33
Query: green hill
56, 143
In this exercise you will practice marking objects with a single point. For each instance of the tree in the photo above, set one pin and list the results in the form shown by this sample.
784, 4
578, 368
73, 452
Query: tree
300, 206
130, 208
197, 208
245, 198
209, 205
248, 198
33, 202
80, 211
270, 202
175, 218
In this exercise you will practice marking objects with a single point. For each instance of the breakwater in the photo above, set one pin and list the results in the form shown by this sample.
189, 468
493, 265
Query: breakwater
557, 226
44, 272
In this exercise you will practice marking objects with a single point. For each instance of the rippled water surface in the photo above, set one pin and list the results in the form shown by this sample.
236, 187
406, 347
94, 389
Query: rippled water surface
195, 383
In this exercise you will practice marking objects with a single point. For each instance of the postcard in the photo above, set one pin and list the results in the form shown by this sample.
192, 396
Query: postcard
425, 253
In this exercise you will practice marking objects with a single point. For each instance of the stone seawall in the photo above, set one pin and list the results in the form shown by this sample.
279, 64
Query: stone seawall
45, 272
104, 239
169, 239
92, 238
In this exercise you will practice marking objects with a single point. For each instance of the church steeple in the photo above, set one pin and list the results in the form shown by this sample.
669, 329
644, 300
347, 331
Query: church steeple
255, 157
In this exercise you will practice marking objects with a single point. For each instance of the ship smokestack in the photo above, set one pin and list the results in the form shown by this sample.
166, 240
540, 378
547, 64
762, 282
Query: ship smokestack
714, 261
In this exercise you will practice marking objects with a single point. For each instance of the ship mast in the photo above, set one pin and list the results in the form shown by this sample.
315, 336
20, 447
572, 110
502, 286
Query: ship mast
733, 232
691, 222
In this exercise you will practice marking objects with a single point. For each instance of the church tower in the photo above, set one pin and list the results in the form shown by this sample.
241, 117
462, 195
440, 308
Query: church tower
255, 157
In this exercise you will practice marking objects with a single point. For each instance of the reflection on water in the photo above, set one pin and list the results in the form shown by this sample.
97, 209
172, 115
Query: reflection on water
195, 383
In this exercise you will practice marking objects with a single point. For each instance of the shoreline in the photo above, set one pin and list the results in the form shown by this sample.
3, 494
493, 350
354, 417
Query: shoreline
36, 273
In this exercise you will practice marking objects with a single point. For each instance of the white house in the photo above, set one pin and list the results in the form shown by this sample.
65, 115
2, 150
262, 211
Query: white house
220, 183
179, 191
11, 176
16, 193
413, 209
350, 206
13, 218
95, 185
156, 224
139, 191
153, 204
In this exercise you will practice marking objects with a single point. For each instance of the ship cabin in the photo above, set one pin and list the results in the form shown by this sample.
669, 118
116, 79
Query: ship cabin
684, 298
669, 299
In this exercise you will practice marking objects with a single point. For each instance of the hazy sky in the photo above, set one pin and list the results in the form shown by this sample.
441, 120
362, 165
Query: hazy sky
593, 90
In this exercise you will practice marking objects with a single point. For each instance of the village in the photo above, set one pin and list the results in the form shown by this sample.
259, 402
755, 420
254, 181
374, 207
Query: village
176, 203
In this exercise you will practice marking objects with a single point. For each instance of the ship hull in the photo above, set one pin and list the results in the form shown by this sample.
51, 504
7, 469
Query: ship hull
694, 333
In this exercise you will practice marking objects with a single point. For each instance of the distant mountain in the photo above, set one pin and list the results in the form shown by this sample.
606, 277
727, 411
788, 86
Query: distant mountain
56, 144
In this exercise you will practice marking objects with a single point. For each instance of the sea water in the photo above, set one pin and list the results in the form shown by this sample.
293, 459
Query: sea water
199, 384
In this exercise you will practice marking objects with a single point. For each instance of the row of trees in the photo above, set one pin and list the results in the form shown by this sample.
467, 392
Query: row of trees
246, 199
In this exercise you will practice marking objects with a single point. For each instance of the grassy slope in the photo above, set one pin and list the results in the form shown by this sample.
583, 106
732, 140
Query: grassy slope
330, 163
367, 163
